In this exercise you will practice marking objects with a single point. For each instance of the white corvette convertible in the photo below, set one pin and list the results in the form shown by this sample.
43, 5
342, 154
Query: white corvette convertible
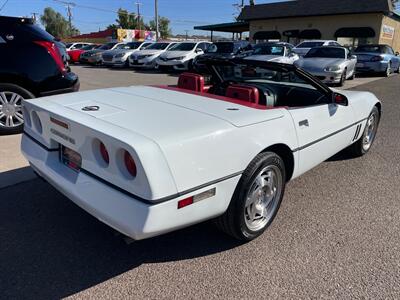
147, 160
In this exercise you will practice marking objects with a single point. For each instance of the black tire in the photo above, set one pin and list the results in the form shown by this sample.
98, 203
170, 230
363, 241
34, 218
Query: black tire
233, 221
25, 94
358, 148
343, 78
398, 69
388, 70
190, 65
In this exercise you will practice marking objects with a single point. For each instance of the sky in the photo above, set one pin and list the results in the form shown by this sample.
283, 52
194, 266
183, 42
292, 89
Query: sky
184, 14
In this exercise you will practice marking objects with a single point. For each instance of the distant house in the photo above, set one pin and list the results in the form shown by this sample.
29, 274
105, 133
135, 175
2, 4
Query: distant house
351, 22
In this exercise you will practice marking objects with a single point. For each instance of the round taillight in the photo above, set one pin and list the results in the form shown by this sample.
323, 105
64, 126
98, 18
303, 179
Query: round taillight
130, 164
104, 153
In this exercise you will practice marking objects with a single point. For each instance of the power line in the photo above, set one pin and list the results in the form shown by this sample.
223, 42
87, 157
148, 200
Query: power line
4, 4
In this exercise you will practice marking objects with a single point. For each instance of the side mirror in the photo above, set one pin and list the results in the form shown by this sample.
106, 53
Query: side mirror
397, 53
340, 99
199, 50
353, 57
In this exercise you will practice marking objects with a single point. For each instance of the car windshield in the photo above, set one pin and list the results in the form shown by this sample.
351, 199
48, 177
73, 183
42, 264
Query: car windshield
326, 52
183, 47
268, 50
220, 48
369, 48
310, 44
133, 45
146, 45
68, 45
253, 73
89, 47
121, 46
157, 46
107, 46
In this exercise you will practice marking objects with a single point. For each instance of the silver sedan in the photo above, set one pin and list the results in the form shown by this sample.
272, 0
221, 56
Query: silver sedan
332, 65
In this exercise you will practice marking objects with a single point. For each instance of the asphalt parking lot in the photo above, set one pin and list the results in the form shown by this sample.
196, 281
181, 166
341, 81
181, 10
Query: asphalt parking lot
335, 236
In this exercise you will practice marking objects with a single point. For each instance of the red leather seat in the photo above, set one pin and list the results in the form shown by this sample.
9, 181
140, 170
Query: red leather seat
191, 81
243, 92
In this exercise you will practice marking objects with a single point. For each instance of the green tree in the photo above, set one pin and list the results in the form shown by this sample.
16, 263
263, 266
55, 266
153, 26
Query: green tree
163, 27
127, 20
56, 24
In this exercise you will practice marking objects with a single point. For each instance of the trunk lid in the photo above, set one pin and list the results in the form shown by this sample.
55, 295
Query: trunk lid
160, 113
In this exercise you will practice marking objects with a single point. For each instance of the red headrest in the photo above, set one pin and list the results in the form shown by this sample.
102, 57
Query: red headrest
243, 92
191, 81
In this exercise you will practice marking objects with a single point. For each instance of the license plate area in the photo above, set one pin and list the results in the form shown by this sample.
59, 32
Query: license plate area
70, 158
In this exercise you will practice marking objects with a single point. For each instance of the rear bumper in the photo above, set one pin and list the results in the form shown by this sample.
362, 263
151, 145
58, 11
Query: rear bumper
67, 84
124, 213
369, 66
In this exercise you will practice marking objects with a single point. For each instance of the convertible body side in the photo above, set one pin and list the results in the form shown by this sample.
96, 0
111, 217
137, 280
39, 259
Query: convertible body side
184, 146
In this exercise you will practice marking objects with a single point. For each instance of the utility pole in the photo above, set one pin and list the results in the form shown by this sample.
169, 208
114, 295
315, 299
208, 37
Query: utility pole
34, 17
187, 31
156, 19
69, 6
138, 17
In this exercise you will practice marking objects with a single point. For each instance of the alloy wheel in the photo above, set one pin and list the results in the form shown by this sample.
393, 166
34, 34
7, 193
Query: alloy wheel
10, 109
370, 131
263, 197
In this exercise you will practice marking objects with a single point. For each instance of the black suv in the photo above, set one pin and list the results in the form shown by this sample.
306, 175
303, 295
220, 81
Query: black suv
226, 49
32, 64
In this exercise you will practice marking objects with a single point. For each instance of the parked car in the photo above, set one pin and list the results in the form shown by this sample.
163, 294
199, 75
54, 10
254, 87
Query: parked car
118, 57
74, 55
227, 49
332, 65
76, 46
180, 57
32, 64
146, 58
377, 58
277, 52
302, 48
160, 158
94, 56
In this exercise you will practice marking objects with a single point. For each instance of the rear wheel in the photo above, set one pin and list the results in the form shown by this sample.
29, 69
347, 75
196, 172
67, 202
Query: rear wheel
257, 198
190, 65
388, 70
11, 118
343, 78
364, 144
398, 69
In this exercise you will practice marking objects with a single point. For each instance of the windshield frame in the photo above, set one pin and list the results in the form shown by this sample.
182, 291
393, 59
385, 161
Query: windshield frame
313, 45
210, 63
263, 46
173, 48
310, 53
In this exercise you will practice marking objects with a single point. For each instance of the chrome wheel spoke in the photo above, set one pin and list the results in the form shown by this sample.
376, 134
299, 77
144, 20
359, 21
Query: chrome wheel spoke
262, 197
14, 98
9, 121
3, 98
19, 117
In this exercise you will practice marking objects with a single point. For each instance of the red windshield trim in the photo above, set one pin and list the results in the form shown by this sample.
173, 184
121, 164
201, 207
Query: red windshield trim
212, 96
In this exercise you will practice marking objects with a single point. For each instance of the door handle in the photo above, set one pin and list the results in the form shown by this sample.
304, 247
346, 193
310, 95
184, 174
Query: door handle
304, 123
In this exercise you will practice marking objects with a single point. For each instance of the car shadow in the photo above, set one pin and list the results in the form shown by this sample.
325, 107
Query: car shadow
340, 156
50, 248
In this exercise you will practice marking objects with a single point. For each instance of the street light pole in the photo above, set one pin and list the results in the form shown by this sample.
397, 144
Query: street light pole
156, 19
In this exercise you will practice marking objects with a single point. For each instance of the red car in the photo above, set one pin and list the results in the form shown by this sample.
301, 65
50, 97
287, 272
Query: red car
75, 54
